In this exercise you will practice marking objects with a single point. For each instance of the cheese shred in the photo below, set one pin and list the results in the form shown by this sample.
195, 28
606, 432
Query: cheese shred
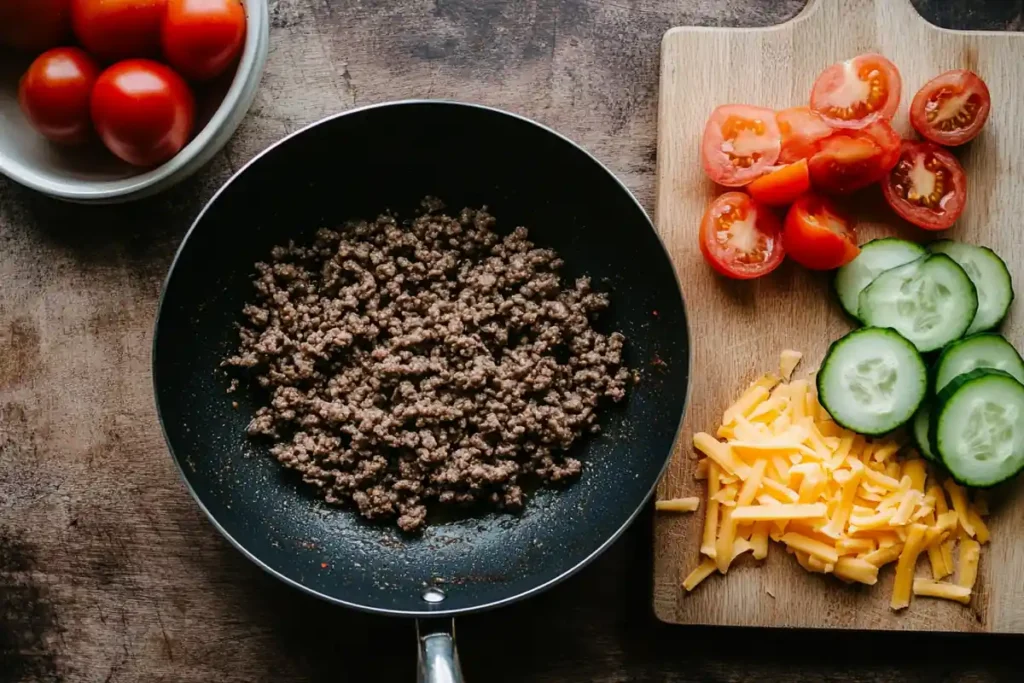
781, 469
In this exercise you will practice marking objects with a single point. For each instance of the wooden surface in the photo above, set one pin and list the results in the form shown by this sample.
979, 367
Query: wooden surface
108, 571
740, 328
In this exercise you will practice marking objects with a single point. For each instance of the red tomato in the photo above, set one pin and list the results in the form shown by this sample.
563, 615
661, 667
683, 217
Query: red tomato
34, 25
817, 235
852, 159
927, 187
783, 186
143, 111
54, 94
741, 238
951, 108
740, 143
118, 29
802, 130
857, 92
201, 38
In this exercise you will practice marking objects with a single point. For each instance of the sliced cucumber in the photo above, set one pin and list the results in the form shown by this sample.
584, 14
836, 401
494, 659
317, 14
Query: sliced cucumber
990, 276
978, 427
872, 380
985, 350
930, 301
921, 428
875, 257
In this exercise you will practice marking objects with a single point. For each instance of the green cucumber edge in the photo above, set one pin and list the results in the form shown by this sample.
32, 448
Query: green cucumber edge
940, 401
823, 398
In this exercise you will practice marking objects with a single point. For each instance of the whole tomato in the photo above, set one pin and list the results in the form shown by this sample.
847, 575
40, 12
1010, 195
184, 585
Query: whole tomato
201, 38
34, 25
118, 29
143, 111
54, 94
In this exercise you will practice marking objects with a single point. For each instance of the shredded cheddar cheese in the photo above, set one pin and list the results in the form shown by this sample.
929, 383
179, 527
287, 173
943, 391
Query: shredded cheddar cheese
841, 504
689, 504
967, 572
788, 362
939, 589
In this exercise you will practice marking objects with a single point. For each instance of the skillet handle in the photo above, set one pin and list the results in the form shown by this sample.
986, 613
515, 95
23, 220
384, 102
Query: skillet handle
438, 658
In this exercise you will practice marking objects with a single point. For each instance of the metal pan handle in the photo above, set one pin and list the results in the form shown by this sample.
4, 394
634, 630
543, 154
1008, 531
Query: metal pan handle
438, 658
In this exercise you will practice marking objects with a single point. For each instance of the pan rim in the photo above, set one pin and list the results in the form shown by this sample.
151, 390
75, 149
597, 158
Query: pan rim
439, 611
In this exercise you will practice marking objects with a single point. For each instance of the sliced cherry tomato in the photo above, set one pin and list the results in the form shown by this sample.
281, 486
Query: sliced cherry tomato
201, 38
951, 108
802, 130
853, 159
783, 186
54, 94
740, 237
927, 187
119, 29
817, 235
34, 25
143, 111
740, 143
857, 92
887, 139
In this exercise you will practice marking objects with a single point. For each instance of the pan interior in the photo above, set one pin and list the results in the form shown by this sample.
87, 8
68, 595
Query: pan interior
357, 165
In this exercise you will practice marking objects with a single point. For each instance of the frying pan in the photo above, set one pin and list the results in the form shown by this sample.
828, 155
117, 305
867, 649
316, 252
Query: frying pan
358, 164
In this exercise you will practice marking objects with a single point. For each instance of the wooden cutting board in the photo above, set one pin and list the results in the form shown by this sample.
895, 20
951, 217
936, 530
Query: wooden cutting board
739, 328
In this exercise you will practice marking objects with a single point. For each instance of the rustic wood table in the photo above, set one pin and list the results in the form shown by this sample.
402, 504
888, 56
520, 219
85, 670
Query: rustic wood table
110, 573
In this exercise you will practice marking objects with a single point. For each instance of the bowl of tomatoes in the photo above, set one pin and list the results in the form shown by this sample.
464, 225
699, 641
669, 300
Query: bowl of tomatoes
105, 101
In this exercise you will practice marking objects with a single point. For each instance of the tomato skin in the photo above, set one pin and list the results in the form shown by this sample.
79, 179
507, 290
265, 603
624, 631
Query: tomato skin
782, 186
201, 38
818, 236
752, 132
850, 160
802, 129
944, 205
741, 238
34, 25
143, 111
968, 96
119, 29
857, 92
54, 94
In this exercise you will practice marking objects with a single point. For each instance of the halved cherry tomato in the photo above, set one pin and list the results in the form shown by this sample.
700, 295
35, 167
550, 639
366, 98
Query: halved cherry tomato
740, 237
740, 143
34, 25
201, 38
817, 235
118, 29
927, 187
783, 186
802, 130
143, 111
951, 108
857, 92
54, 94
853, 159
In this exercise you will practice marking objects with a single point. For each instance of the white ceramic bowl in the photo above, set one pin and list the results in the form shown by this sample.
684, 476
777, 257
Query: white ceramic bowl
91, 174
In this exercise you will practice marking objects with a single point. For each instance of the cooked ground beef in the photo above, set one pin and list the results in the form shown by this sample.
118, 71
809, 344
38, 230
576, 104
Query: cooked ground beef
433, 360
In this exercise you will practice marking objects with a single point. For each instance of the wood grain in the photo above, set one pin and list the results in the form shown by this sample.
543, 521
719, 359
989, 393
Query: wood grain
739, 328
108, 571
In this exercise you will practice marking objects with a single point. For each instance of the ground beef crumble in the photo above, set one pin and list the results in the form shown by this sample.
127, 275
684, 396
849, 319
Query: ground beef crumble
428, 361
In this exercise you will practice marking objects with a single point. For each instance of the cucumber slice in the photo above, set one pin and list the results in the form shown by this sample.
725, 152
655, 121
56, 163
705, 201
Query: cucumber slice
930, 301
978, 427
921, 427
985, 350
872, 380
990, 276
875, 257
